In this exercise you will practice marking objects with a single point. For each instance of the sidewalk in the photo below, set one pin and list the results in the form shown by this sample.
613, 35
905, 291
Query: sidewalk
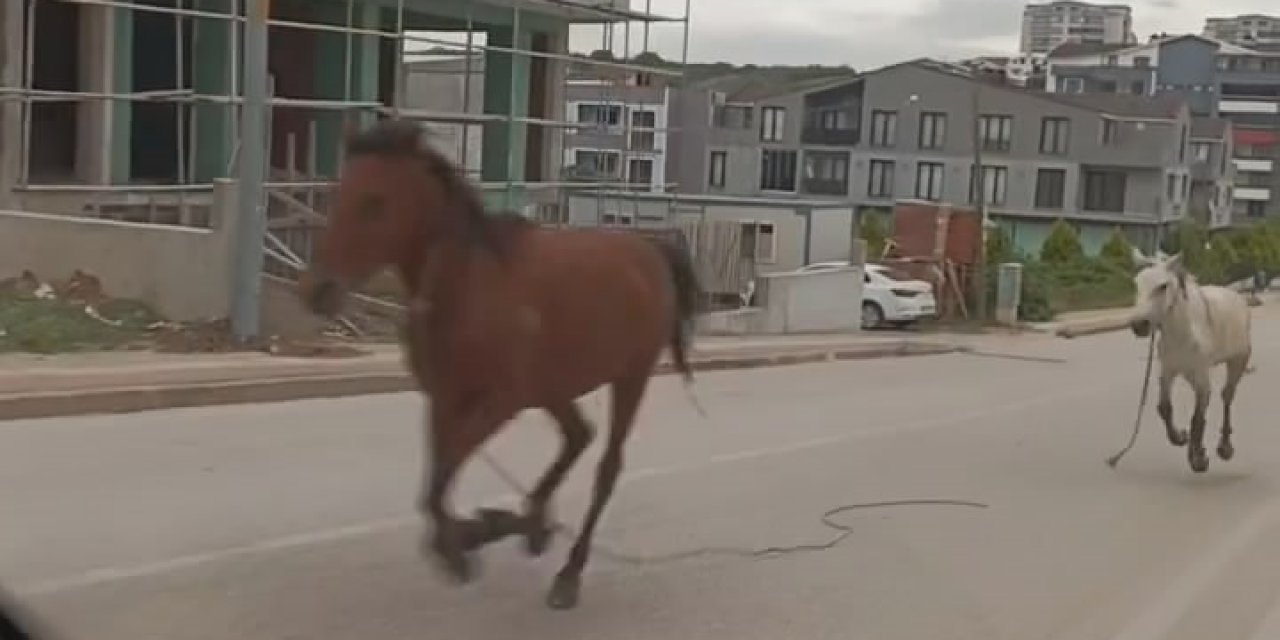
36, 386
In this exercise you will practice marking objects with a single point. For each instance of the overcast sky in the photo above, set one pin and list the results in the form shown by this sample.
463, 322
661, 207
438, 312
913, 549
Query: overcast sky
871, 33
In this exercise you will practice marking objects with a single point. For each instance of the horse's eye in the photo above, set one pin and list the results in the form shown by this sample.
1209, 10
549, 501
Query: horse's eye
1161, 289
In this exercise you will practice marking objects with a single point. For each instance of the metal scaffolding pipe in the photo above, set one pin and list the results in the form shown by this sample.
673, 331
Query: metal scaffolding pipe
251, 228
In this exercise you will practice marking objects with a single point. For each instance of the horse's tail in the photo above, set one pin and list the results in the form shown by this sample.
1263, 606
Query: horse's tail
684, 279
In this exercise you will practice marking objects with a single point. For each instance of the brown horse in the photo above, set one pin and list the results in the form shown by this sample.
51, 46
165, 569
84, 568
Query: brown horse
504, 316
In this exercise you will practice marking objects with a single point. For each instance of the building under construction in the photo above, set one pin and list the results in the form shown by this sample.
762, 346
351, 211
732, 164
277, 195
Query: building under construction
129, 108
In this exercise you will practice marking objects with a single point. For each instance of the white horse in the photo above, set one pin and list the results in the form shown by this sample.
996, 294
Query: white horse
1200, 327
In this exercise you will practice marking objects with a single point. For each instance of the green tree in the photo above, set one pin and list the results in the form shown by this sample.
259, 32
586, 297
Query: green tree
1000, 247
1117, 250
873, 229
1062, 246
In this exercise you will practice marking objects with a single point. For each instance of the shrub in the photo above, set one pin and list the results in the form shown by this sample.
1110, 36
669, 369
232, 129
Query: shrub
1117, 250
1062, 246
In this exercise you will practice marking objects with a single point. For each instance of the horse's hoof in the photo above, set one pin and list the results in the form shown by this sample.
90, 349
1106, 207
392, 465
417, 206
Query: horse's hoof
451, 559
1226, 451
537, 539
1199, 460
564, 593
1178, 438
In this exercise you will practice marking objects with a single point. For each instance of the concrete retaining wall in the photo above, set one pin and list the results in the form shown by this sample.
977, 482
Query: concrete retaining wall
184, 273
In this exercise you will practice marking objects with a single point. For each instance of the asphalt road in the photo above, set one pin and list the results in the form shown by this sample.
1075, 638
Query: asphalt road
295, 520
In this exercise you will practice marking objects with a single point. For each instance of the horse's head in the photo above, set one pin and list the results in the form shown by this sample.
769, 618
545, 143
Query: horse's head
391, 202
1160, 283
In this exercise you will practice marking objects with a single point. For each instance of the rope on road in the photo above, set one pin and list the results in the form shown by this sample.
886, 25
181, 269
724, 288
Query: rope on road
842, 531
1142, 403
970, 351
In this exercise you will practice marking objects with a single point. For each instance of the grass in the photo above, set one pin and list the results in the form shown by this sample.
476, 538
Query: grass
32, 325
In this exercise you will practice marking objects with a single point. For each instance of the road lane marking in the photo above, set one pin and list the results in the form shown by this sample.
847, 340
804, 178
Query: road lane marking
106, 575
1159, 617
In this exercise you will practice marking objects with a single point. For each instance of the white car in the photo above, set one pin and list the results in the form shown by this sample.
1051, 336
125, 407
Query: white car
887, 297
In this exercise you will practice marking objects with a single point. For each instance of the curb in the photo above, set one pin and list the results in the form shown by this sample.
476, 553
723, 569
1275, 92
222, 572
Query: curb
116, 400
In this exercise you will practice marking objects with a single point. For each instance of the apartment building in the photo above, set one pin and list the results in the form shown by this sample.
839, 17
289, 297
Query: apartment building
1245, 30
625, 139
908, 132
1047, 25
1217, 80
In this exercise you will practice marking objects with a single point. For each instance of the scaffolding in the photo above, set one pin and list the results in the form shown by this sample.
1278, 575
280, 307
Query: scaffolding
298, 186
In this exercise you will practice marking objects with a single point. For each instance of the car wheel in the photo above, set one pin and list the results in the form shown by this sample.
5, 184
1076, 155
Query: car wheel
872, 315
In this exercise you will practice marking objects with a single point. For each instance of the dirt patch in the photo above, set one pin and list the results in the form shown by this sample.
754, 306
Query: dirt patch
78, 314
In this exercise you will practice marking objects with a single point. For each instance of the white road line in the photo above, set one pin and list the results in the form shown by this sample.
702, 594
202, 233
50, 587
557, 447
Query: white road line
1157, 620
114, 574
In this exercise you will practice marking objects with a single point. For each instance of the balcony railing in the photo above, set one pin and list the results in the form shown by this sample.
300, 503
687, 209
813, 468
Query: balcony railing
824, 136
824, 187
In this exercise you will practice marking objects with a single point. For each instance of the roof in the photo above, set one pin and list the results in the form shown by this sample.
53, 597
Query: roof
1116, 105
756, 85
1209, 127
1125, 105
1076, 49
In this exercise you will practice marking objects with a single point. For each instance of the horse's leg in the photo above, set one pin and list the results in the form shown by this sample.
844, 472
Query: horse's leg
627, 394
1235, 371
1195, 447
451, 437
577, 434
1177, 437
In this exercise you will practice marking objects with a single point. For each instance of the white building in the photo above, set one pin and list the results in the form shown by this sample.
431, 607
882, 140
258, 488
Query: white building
1246, 30
1047, 25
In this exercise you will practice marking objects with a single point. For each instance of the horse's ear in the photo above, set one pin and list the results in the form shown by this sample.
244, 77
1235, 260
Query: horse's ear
1174, 264
1140, 259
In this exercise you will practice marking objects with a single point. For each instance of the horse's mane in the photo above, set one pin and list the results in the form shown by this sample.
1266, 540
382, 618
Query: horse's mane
403, 138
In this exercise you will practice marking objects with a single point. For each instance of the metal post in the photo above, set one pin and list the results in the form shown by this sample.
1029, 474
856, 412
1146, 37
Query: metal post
509, 199
251, 231
980, 201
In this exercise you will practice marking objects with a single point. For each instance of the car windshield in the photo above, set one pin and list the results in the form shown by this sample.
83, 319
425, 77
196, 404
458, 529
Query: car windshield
891, 273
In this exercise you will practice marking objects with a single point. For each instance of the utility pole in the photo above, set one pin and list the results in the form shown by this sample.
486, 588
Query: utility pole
251, 227
979, 187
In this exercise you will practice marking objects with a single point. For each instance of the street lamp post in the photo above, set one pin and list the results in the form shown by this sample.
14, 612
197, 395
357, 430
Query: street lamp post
979, 185
251, 228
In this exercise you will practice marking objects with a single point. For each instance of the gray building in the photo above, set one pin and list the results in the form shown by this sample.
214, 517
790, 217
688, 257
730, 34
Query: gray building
1245, 30
1047, 25
449, 84
1218, 80
625, 134
907, 132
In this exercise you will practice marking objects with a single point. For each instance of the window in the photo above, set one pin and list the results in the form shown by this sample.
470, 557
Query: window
758, 242
1255, 208
929, 180
830, 119
640, 171
826, 172
1171, 187
732, 116
996, 132
1183, 141
618, 219
880, 179
600, 163
1110, 132
600, 114
1071, 85
1104, 191
716, 169
777, 170
1051, 188
995, 185
1186, 188
646, 138
884, 128
933, 130
1138, 88
771, 123
1142, 62
1054, 136
1113, 61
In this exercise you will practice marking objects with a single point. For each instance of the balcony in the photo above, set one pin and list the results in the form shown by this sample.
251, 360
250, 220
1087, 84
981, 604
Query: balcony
1253, 166
1255, 194
825, 187
829, 137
